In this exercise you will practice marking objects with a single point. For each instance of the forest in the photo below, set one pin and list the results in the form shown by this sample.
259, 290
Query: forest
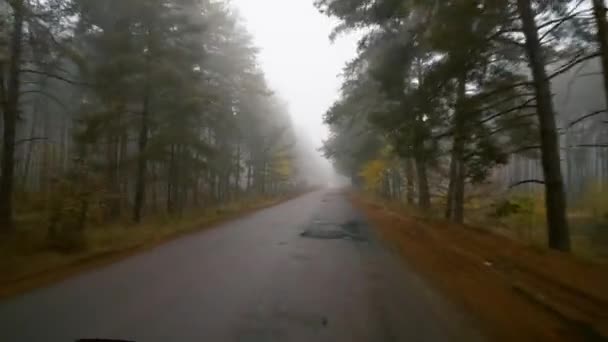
490, 113
119, 111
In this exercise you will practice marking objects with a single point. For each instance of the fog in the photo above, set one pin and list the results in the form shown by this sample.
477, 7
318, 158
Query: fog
302, 66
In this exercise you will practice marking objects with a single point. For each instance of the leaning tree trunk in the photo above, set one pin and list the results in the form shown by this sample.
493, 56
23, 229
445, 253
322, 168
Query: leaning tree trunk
11, 109
555, 199
599, 12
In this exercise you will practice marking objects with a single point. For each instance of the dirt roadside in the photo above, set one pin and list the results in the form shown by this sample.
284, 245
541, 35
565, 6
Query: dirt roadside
517, 293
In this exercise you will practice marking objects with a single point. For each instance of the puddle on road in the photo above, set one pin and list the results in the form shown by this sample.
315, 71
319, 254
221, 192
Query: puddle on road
350, 230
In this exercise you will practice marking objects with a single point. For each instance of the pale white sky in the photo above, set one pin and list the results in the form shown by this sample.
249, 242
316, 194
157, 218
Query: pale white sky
300, 62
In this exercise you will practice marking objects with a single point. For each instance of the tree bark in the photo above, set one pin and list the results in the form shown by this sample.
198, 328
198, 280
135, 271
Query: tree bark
171, 181
10, 120
142, 160
449, 203
112, 175
458, 200
30, 148
555, 199
409, 179
599, 12
424, 197
237, 181
457, 196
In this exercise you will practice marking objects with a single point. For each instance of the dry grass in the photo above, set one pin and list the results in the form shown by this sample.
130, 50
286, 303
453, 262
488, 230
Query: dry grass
27, 261
518, 292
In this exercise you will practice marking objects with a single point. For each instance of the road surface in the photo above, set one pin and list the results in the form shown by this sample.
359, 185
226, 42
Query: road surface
307, 270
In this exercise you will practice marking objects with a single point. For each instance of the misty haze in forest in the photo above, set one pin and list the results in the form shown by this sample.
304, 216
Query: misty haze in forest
117, 109
102, 104
262, 157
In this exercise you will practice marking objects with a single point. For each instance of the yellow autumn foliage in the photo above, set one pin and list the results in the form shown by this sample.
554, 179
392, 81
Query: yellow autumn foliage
372, 173
282, 165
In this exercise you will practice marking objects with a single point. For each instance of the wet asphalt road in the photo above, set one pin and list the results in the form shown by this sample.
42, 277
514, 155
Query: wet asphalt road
254, 279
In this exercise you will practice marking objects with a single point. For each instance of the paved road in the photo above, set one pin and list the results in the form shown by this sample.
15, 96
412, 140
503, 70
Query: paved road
255, 279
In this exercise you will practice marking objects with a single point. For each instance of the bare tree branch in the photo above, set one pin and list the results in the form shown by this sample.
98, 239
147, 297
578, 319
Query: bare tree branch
503, 89
21, 141
45, 94
572, 63
591, 145
524, 105
527, 181
526, 148
584, 117
54, 76
559, 21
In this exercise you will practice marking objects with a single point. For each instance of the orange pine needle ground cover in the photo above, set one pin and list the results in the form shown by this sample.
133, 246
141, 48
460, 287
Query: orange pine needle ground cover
518, 293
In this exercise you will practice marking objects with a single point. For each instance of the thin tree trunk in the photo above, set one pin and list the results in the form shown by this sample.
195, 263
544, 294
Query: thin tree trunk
424, 197
123, 171
30, 148
555, 199
142, 160
449, 203
599, 12
196, 185
170, 181
154, 193
458, 200
11, 112
409, 178
249, 175
237, 183
112, 175
177, 203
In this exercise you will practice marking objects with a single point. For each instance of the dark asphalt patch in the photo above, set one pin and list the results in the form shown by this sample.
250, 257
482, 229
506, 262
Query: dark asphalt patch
350, 230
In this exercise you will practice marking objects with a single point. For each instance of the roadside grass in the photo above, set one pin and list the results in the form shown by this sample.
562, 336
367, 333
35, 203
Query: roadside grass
27, 260
588, 219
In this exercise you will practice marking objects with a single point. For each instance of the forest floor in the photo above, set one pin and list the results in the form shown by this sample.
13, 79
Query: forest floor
517, 292
27, 262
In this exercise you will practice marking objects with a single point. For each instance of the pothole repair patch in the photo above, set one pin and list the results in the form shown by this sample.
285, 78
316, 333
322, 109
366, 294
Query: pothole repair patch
350, 230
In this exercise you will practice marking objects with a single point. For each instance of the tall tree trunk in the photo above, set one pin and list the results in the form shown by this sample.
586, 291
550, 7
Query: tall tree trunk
123, 171
30, 148
555, 199
154, 188
449, 202
177, 200
458, 199
409, 179
171, 181
112, 175
249, 175
11, 112
142, 160
457, 169
237, 171
424, 196
599, 12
